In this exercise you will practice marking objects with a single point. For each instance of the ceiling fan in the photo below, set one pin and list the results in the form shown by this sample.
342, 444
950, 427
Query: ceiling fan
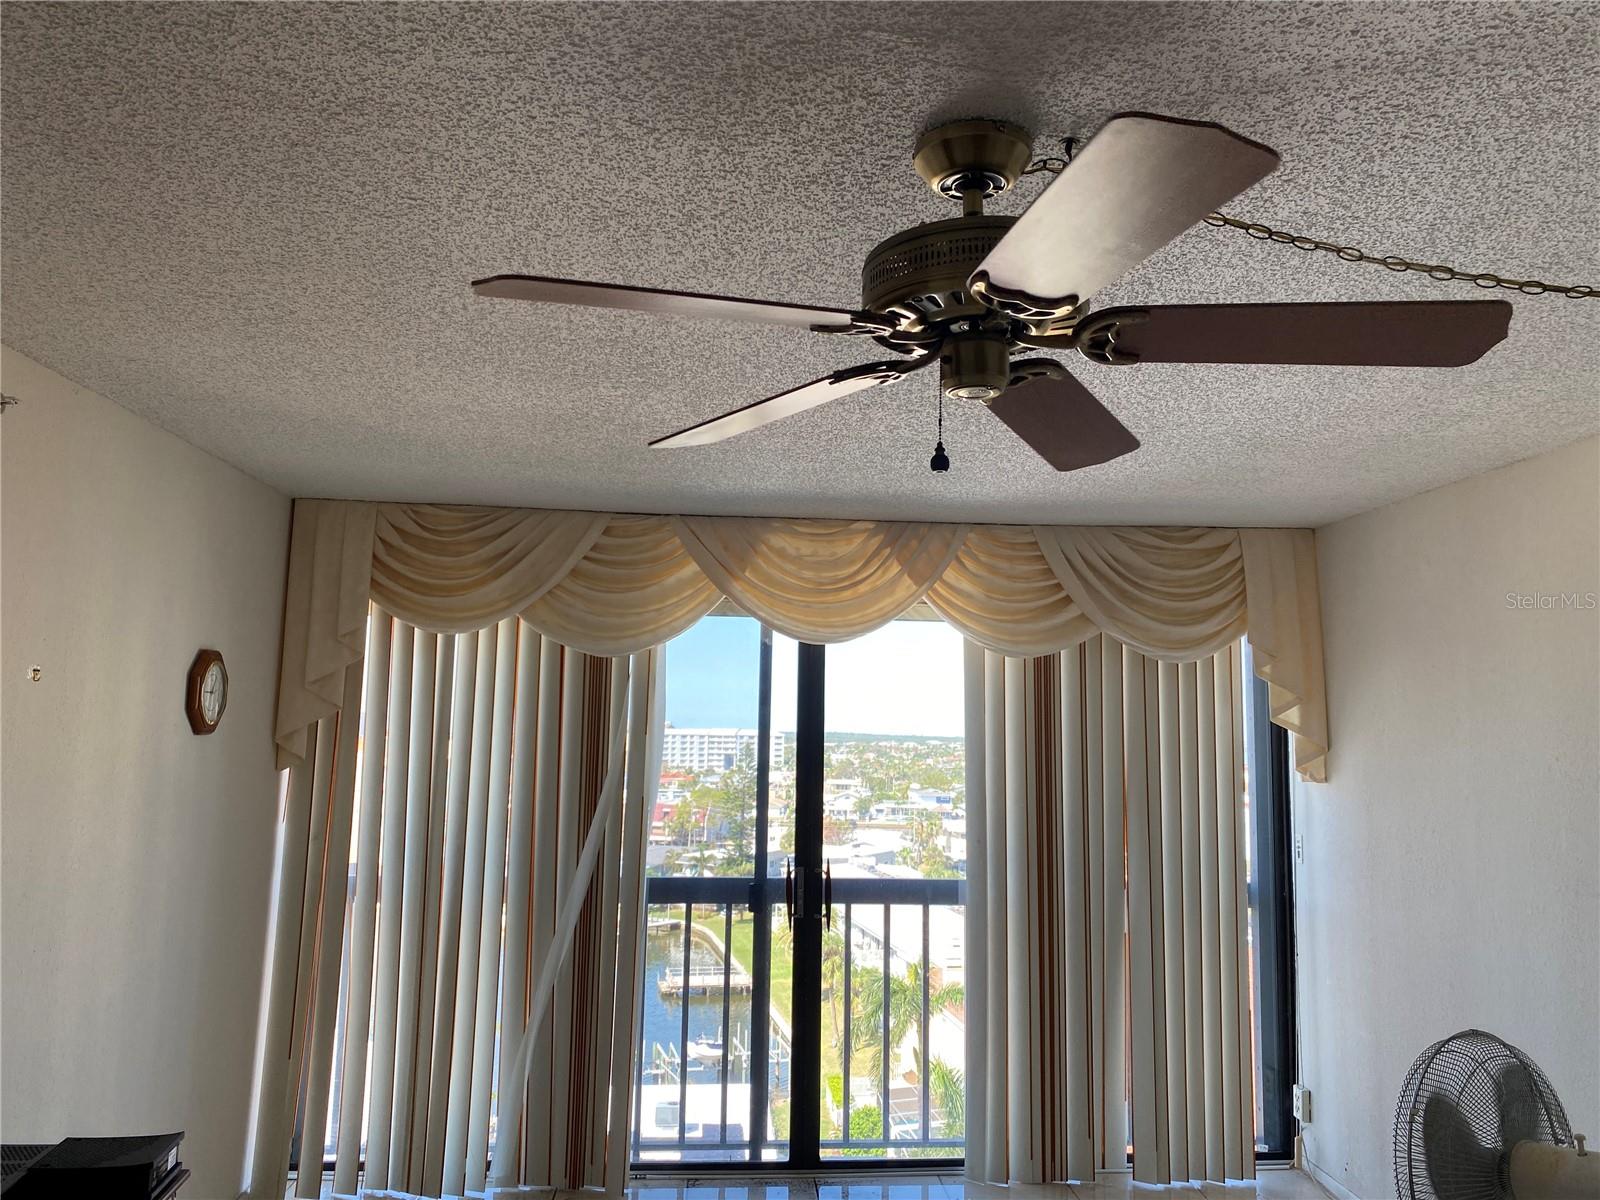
972, 291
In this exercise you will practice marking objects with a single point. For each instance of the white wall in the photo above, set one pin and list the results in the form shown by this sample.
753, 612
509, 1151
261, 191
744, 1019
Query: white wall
1451, 871
135, 857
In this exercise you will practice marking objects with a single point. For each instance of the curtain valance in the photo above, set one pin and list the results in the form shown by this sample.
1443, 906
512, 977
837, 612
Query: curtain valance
612, 584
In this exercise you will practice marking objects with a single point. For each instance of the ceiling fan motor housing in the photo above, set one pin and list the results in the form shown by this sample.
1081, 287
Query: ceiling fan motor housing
919, 277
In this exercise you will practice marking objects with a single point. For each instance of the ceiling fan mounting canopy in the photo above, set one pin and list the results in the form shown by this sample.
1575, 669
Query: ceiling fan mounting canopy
982, 156
971, 291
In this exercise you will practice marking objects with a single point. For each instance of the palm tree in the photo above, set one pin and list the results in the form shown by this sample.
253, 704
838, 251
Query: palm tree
698, 858
832, 974
904, 1007
947, 1096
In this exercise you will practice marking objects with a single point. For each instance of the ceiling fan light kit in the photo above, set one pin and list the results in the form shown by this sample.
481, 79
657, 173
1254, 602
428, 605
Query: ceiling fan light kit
974, 292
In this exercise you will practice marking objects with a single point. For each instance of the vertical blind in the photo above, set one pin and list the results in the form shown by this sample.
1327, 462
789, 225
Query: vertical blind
1106, 876
429, 844
435, 829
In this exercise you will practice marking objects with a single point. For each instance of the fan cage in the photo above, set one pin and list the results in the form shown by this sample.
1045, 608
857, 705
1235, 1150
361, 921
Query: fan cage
1466, 1101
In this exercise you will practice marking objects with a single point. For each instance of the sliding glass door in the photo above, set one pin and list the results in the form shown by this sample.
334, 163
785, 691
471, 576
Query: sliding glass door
715, 1062
803, 983
894, 849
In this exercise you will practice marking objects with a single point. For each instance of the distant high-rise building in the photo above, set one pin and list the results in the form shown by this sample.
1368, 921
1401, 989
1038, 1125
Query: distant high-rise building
713, 749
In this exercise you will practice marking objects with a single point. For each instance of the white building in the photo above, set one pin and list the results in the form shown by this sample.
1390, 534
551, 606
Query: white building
712, 749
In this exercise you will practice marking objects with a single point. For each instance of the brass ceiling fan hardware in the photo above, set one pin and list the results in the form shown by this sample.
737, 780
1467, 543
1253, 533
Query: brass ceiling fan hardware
1096, 338
1033, 311
965, 157
1025, 369
970, 291
975, 366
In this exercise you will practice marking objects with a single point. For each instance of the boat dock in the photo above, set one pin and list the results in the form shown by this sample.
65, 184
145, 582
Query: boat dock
704, 980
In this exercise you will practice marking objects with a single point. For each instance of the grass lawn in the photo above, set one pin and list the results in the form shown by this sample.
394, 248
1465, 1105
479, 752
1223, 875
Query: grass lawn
744, 933
743, 948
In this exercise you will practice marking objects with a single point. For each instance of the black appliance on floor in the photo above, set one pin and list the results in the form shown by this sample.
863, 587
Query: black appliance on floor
108, 1168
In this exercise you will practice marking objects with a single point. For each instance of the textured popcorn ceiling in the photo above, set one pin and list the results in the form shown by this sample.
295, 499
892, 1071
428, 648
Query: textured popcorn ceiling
255, 225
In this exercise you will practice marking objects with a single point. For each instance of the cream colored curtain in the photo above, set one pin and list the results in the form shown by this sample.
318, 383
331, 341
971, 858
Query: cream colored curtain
424, 865
610, 584
1105, 877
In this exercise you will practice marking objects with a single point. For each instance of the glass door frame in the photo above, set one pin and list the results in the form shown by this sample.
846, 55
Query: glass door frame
760, 895
808, 906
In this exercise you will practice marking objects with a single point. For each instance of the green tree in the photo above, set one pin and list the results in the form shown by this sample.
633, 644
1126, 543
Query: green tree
947, 1097
884, 788
936, 777
925, 850
681, 824
733, 812
836, 832
866, 1125
699, 858
904, 1001
833, 975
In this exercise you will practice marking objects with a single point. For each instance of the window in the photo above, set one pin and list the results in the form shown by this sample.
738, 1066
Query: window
878, 931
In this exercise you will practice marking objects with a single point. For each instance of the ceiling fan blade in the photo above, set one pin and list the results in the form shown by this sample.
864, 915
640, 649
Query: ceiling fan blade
682, 304
1062, 421
786, 404
1138, 183
1413, 333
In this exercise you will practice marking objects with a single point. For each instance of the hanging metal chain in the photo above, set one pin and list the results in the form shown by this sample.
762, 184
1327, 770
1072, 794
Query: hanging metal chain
1055, 165
1393, 262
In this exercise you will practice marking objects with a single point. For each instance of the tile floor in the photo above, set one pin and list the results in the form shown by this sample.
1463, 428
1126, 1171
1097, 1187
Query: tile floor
1276, 1184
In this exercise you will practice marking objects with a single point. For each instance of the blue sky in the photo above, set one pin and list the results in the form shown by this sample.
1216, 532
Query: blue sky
712, 673
902, 679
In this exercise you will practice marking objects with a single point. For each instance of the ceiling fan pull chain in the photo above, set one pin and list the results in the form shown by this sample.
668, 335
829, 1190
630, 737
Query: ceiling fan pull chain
1435, 271
940, 460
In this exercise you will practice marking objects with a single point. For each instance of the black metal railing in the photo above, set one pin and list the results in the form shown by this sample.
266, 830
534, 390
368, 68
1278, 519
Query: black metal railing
698, 986
874, 944
691, 965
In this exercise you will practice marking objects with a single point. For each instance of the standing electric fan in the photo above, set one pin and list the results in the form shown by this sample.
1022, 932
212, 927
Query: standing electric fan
1477, 1120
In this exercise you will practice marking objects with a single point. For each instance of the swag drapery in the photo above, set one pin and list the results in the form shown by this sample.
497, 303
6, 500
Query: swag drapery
611, 584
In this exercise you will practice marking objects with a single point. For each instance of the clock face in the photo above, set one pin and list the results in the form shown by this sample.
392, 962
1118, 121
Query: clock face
205, 694
213, 693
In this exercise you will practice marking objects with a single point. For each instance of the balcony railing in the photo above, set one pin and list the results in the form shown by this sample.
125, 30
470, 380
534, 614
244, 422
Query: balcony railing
714, 1081
882, 1110
700, 1036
